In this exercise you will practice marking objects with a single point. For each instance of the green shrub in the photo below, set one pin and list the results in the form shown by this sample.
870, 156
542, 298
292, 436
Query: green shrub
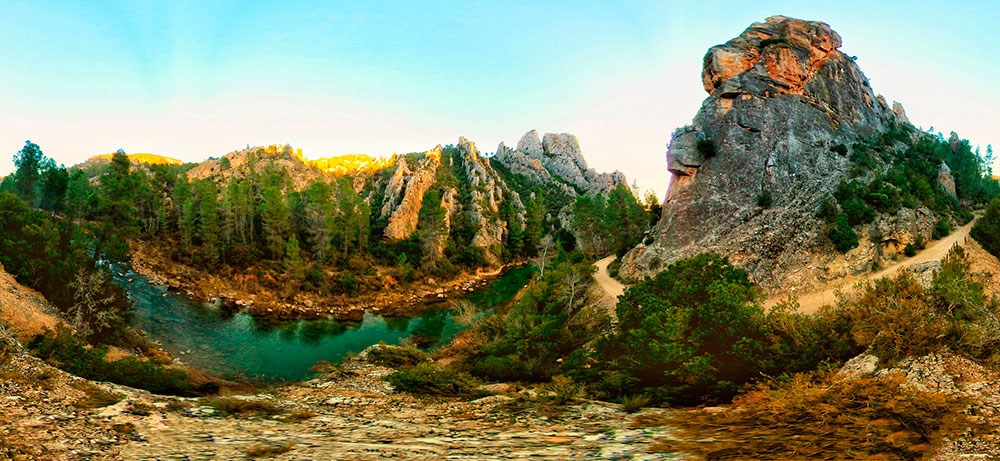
828, 210
427, 378
707, 148
634, 403
685, 335
910, 250
839, 149
561, 390
842, 234
68, 352
941, 228
987, 229
395, 357
764, 199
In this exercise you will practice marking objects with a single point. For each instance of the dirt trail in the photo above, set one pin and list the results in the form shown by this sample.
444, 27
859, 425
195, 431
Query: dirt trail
811, 302
610, 286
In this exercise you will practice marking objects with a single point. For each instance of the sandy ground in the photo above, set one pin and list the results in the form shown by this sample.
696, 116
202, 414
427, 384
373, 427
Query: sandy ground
610, 286
811, 302
24, 310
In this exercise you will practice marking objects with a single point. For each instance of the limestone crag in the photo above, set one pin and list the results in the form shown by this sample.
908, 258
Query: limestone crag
488, 191
946, 180
245, 163
559, 156
781, 98
405, 194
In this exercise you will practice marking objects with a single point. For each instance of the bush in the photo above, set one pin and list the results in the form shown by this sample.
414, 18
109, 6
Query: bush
68, 352
395, 357
561, 390
910, 250
707, 148
842, 234
828, 210
686, 336
941, 228
896, 317
427, 378
839, 149
764, 199
634, 403
815, 416
987, 229
229, 406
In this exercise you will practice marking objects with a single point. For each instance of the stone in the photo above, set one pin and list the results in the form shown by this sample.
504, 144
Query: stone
946, 180
781, 96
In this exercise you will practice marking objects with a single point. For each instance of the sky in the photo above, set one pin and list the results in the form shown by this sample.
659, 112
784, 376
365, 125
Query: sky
192, 80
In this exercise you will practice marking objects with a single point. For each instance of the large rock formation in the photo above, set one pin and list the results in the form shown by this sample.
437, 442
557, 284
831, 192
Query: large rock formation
782, 99
559, 156
404, 194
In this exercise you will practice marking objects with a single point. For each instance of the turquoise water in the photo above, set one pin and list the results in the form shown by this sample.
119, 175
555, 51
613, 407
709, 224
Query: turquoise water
208, 338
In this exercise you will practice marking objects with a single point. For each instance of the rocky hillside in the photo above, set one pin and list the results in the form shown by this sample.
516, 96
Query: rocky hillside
790, 123
148, 159
466, 182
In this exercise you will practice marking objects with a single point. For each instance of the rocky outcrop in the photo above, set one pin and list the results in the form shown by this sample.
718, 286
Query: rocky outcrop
488, 192
781, 97
556, 155
946, 180
245, 163
897, 109
404, 194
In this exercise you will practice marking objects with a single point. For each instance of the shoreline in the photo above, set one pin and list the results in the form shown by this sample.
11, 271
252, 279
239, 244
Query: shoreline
406, 301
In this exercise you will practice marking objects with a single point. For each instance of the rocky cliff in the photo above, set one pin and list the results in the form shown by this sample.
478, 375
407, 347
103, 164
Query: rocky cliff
783, 100
558, 157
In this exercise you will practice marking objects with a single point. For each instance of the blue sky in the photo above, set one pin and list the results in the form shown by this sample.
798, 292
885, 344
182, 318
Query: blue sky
198, 79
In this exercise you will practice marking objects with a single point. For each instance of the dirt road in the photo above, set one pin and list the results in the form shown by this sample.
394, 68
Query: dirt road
811, 302
610, 286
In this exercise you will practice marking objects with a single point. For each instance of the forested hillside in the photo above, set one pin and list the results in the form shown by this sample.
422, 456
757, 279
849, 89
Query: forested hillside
267, 228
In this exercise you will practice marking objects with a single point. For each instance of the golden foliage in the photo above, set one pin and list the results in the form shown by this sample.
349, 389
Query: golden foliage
816, 416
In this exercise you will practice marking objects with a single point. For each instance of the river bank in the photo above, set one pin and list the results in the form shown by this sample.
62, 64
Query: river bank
238, 292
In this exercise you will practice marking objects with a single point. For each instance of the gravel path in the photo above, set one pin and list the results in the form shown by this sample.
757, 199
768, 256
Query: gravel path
610, 286
936, 250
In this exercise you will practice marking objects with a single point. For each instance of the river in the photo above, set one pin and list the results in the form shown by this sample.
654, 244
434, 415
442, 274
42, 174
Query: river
238, 346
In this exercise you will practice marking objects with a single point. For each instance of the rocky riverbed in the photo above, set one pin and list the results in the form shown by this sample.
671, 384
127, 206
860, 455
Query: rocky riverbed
353, 414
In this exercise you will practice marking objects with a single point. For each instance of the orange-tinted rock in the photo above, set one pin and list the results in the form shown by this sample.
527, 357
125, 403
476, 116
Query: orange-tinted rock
788, 51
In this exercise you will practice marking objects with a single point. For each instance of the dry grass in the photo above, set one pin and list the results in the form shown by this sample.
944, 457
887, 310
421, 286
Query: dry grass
229, 406
298, 416
96, 396
267, 451
816, 417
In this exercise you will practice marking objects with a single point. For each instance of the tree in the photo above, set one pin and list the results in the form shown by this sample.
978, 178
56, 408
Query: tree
29, 162
987, 229
96, 308
842, 234
293, 264
117, 208
543, 254
78, 193
687, 334
208, 220
54, 182
275, 220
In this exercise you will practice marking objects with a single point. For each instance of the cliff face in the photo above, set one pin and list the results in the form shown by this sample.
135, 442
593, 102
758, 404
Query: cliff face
782, 98
556, 156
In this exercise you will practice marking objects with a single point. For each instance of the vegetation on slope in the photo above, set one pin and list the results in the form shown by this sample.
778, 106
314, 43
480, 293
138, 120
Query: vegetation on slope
900, 169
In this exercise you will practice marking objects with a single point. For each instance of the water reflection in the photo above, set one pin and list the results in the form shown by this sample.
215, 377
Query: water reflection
236, 345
